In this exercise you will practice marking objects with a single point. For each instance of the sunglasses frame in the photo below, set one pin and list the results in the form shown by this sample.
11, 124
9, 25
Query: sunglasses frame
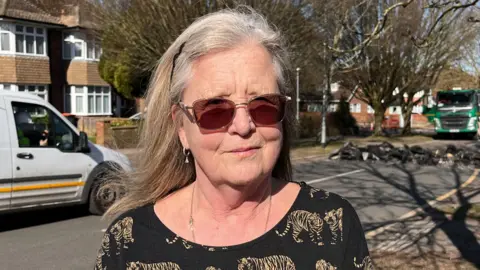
192, 117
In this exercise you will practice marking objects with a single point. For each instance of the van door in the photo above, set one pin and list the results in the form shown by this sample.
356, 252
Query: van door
47, 168
5, 159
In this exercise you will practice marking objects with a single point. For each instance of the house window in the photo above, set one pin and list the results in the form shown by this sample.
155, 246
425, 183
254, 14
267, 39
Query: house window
332, 107
6, 36
370, 109
88, 100
355, 107
80, 46
6, 87
39, 90
417, 109
394, 109
30, 40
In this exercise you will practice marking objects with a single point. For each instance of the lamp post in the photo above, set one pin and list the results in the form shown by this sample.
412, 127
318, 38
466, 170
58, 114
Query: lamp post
298, 94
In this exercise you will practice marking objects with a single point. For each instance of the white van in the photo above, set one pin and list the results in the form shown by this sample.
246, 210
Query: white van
45, 161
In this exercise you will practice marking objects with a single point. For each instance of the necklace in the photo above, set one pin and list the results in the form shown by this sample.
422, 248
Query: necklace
191, 221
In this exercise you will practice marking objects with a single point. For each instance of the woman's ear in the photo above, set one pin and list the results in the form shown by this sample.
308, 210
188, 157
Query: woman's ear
178, 120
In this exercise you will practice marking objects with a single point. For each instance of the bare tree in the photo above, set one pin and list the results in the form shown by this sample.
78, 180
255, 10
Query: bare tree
380, 46
135, 35
426, 63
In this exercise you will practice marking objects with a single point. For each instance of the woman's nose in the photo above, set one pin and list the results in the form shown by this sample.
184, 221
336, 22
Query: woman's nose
241, 123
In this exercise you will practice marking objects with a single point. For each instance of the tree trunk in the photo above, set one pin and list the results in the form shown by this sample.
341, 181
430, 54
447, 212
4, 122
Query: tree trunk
379, 116
407, 117
407, 109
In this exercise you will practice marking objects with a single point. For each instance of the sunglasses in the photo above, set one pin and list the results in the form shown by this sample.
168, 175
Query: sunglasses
218, 113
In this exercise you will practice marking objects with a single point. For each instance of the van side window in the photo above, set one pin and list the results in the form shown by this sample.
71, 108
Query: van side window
37, 126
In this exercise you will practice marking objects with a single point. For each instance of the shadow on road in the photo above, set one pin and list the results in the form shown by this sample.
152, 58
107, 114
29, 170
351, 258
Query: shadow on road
25, 219
433, 233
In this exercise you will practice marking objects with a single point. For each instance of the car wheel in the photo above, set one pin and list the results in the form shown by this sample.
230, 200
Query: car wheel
101, 199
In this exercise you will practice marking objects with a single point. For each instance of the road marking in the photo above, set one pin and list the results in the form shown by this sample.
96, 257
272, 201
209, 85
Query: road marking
333, 177
412, 213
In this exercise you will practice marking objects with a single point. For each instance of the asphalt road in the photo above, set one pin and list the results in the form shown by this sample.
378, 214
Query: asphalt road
68, 238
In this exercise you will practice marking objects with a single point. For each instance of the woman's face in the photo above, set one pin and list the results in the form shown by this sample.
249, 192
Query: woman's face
242, 152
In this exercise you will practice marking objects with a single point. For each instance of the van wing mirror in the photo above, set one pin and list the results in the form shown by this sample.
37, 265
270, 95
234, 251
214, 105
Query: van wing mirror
83, 143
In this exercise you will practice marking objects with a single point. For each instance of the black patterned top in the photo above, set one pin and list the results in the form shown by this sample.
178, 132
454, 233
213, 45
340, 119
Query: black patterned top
320, 231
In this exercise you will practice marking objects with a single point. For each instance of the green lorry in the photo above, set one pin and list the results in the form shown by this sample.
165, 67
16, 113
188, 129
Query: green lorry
454, 112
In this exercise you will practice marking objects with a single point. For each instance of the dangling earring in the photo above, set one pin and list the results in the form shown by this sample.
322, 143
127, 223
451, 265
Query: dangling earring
186, 153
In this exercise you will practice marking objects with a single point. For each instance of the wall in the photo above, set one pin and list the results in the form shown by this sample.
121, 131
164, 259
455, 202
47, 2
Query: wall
25, 70
83, 73
88, 124
116, 137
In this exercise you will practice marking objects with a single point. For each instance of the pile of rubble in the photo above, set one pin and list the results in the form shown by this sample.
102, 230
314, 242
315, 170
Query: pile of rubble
386, 152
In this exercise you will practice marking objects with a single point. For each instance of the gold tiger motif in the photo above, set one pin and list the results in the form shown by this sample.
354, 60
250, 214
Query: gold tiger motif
152, 266
366, 264
334, 221
122, 230
184, 242
324, 265
104, 250
277, 262
315, 190
302, 220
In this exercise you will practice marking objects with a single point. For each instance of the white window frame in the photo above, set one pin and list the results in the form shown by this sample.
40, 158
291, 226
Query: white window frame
391, 108
71, 96
25, 34
418, 109
6, 28
7, 86
84, 40
34, 89
39, 89
355, 107
370, 109
332, 107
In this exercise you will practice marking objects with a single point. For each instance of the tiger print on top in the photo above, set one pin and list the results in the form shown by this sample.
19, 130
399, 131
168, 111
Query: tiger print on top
184, 242
324, 265
302, 240
315, 190
334, 221
302, 220
366, 263
104, 251
275, 262
152, 266
122, 233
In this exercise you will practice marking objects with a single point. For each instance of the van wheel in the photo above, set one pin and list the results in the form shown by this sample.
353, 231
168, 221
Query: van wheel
99, 202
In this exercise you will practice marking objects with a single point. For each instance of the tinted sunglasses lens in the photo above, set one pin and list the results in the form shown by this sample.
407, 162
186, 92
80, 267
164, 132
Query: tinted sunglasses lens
214, 113
267, 110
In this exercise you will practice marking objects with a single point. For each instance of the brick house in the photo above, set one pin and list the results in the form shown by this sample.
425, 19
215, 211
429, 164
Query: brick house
55, 56
364, 114
361, 111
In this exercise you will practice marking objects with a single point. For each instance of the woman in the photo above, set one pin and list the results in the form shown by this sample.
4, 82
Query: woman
214, 190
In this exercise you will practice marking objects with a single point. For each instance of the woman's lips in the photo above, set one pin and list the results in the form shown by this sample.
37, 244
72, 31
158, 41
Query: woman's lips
245, 152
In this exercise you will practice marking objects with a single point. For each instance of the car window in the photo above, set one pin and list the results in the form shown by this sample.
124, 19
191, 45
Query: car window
37, 126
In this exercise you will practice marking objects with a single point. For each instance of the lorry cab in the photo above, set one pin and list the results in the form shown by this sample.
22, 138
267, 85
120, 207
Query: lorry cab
455, 112
46, 161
